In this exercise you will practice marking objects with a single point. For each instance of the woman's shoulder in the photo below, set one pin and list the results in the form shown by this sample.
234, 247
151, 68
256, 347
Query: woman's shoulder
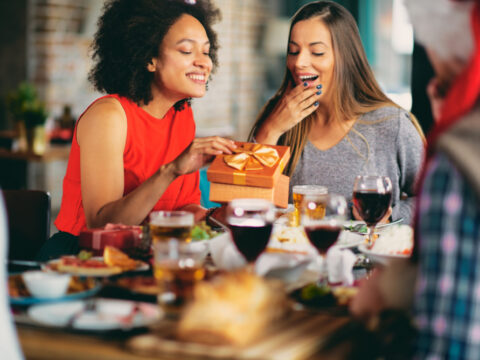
387, 112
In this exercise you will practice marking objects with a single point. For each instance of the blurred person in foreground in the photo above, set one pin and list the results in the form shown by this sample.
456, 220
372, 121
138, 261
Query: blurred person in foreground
332, 113
134, 150
446, 258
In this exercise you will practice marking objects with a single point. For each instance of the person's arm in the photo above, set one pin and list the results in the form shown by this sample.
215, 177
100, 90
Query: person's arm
447, 291
293, 107
101, 134
410, 152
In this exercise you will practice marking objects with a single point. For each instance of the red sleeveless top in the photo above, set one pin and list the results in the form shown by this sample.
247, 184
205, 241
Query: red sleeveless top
150, 143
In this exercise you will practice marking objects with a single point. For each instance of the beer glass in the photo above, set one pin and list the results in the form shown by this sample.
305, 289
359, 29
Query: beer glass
165, 225
299, 192
178, 265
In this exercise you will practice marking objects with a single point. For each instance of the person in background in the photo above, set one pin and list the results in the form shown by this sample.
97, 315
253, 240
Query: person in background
333, 114
422, 74
134, 150
446, 255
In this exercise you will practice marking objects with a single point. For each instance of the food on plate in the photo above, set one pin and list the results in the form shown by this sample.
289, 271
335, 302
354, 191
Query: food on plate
289, 239
140, 284
344, 294
114, 257
113, 262
394, 240
90, 267
323, 295
202, 231
232, 309
17, 288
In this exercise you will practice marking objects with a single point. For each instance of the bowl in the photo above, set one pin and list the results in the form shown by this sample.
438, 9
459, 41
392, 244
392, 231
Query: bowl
46, 285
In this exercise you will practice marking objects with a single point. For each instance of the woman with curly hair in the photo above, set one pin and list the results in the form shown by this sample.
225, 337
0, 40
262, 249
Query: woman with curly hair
134, 150
332, 113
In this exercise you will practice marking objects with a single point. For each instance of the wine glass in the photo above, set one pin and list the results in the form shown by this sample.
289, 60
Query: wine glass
323, 216
250, 222
372, 196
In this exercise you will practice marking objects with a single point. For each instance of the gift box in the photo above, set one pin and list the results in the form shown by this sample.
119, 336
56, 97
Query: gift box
125, 238
253, 165
278, 194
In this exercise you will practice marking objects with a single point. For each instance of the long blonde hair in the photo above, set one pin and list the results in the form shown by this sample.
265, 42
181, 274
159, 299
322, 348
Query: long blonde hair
355, 90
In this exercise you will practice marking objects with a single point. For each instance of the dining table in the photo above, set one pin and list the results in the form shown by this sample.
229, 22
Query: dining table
300, 334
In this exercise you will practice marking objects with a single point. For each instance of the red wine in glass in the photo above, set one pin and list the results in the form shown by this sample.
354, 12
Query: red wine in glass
372, 205
250, 222
323, 236
251, 241
372, 196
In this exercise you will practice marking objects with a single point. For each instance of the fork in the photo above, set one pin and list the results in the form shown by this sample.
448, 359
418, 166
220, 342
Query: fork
89, 306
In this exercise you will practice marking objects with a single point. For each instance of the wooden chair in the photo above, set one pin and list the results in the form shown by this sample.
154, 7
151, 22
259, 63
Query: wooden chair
28, 213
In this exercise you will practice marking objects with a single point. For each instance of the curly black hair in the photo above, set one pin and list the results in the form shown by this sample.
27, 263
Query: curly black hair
128, 37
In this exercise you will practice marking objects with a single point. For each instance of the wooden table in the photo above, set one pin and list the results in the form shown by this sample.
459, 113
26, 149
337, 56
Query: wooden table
299, 337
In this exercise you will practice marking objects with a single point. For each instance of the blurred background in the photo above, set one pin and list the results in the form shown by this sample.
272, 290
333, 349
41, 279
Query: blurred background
46, 43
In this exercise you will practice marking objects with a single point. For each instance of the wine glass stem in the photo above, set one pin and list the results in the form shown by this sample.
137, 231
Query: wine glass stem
324, 272
371, 232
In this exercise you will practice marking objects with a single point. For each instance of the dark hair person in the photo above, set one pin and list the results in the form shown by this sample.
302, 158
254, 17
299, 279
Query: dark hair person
333, 114
134, 149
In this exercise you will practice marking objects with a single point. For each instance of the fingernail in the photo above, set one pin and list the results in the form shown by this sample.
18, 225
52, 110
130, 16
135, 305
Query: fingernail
305, 83
319, 86
319, 92
315, 103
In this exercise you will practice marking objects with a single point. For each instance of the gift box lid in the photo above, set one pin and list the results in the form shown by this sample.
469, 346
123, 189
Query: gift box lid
259, 175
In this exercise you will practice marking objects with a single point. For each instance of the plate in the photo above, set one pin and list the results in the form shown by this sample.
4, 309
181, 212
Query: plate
348, 239
107, 315
380, 258
76, 295
51, 265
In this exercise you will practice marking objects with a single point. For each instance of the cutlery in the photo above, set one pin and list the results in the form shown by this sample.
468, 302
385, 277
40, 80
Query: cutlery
90, 306
356, 228
30, 263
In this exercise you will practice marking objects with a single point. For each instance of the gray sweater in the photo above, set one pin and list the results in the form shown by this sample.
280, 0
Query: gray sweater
396, 151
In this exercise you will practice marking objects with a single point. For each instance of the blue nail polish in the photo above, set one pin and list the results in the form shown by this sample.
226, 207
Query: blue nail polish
305, 84
319, 92
315, 103
319, 86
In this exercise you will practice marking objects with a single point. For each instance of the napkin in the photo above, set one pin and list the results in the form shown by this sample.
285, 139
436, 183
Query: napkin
285, 266
340, 265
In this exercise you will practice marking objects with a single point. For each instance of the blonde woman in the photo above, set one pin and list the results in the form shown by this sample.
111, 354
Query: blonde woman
333, 114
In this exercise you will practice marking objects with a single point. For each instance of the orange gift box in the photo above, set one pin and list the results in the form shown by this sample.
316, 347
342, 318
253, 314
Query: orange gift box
253, 165
278, 195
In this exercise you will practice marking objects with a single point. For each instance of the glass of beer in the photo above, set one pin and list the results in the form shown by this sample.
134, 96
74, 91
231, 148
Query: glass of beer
299, 192
165, 225
178, 265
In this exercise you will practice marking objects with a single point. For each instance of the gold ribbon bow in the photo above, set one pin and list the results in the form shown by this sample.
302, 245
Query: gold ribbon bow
252, 157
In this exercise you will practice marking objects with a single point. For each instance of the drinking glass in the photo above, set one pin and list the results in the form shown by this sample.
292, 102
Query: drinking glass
372, 196
178, 265
323, 216
165, 225
299, 192
250, 222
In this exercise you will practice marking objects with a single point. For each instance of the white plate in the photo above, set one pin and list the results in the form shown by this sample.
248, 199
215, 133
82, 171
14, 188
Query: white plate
378, 257
348, 239
109, 314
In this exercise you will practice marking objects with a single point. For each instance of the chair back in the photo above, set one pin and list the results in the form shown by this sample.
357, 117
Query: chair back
28, 213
